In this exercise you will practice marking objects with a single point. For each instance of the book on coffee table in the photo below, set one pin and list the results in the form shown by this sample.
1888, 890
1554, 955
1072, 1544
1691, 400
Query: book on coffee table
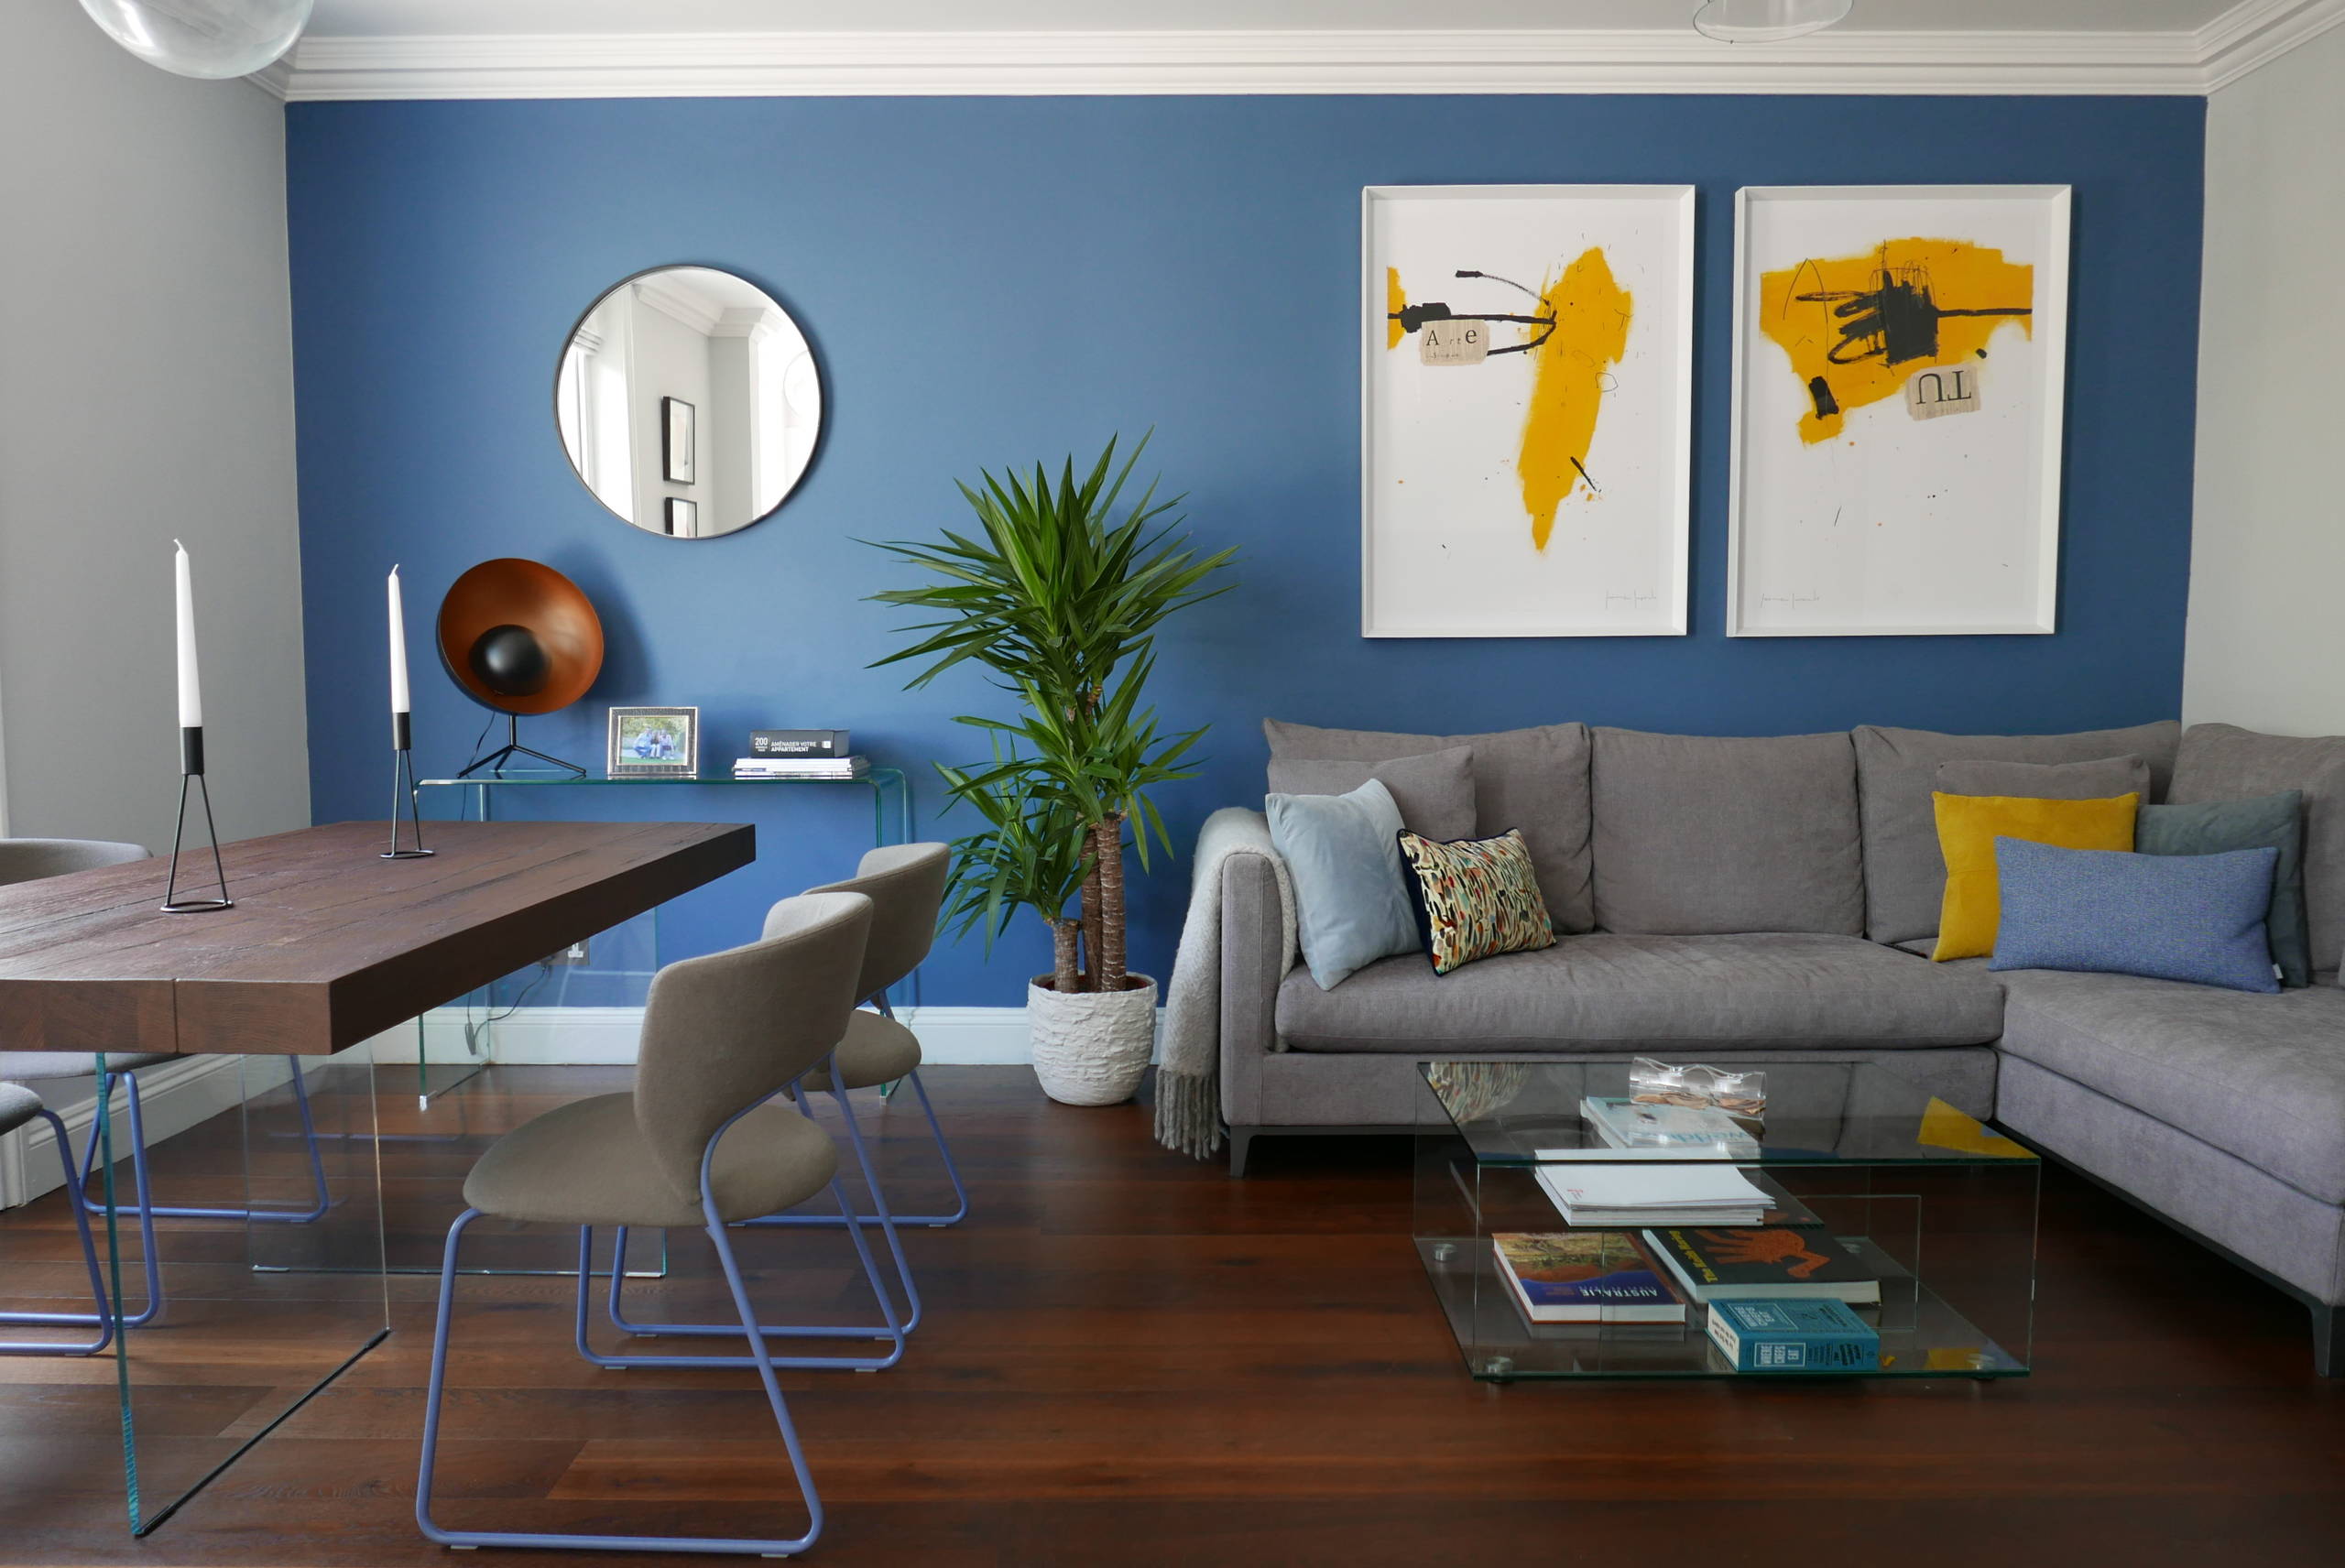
1776, 1262
1584, 1277
1685, 1194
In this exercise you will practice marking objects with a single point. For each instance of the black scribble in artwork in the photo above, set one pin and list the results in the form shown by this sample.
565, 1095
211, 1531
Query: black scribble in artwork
1827, 405
1896, 320
1592, 484
1413, 317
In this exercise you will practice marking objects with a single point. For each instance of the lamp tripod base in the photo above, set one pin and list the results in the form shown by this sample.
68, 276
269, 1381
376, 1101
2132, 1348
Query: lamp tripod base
191, 772
403, 788
496, 760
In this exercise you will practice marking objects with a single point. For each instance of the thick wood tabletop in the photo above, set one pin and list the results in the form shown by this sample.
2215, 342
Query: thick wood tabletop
328, 943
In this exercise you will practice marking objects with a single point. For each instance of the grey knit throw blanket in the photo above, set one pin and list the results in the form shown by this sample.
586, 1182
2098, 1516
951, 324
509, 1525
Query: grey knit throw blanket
1188, 1073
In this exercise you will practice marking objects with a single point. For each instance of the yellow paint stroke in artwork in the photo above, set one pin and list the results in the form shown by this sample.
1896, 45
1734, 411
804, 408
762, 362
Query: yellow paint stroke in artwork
1395, 301
1858, 327
1568, 375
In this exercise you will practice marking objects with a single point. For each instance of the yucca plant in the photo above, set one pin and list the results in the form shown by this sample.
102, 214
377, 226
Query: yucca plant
1058, 598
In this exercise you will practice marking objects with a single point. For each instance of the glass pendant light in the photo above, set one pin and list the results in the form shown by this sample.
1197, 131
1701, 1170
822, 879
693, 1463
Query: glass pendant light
213, 39
1758, 21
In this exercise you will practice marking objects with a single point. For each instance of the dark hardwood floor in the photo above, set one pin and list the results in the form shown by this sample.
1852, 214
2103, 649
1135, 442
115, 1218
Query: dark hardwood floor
1131, 1360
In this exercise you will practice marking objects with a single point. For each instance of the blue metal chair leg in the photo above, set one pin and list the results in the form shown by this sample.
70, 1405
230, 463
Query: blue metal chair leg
148, 1209
933, 1222
893, 1333
757, 1357
150, 1257
103, 1318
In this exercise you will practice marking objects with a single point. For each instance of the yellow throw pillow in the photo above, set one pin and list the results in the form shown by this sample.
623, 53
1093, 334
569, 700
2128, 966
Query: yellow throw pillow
1968, 826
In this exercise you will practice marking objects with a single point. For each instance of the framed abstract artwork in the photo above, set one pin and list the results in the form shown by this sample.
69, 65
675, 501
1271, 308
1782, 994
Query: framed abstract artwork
1899, 361
1526, 409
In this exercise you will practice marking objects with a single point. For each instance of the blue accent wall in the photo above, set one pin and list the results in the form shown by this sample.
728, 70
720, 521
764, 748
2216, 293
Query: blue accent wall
993, 280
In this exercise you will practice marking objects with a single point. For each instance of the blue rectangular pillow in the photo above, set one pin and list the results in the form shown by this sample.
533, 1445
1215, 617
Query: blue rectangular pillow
2167, 917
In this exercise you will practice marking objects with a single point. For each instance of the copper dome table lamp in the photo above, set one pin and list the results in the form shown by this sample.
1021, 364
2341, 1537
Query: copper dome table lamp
519, 638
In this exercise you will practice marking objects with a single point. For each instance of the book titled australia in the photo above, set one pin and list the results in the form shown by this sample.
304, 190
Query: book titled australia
1776, 1262
1585, 1276
1793, 1334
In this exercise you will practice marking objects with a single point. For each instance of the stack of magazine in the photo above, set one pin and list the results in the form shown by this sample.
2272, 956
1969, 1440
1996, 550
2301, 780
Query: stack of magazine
801, 767
1652, 1195
1705, 1134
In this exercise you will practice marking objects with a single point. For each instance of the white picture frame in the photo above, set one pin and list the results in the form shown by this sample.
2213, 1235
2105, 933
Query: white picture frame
1497, 540
1890, 521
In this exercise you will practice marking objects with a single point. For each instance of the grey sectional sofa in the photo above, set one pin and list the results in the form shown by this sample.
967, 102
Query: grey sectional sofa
1772, 897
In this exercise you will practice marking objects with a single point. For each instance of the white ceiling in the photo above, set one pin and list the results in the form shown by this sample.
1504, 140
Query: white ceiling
390, 18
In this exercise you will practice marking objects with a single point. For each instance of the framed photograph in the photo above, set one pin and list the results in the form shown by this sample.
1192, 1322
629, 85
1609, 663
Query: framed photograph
679, 428
1899, 359
1526, 409
654, 743
682, 518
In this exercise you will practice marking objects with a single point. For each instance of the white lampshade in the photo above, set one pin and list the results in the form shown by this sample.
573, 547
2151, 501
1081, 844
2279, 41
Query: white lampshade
1762, 21
209, 39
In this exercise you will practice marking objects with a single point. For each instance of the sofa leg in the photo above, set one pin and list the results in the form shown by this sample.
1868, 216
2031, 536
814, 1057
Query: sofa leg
2328, 1340
1241, 1144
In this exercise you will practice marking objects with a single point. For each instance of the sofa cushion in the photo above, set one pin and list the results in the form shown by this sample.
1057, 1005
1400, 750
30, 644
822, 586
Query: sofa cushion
2047, 780
1534, 780
1897, 771
2168, 917
2223, 762
1615, 992
2221, 827
2261, 1078
1343, 854
1701, 835
1435, 792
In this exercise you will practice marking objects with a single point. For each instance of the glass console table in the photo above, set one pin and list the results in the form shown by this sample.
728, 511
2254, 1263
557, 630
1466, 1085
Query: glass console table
615, 968
1926, 1200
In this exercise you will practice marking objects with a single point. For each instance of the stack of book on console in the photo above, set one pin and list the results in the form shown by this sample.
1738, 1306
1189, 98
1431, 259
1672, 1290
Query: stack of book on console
1585, 1276
1651, 1194
800, 754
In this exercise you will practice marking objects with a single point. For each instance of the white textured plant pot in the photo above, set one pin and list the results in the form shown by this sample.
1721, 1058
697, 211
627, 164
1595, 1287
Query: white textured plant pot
1091, 1048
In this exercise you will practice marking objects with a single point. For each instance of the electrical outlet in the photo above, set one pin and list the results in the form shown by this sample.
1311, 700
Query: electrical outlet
575, 954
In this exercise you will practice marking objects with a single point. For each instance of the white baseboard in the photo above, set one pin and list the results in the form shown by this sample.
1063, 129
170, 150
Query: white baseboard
586, 1036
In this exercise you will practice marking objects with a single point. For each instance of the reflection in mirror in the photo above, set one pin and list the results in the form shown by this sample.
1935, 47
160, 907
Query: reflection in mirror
688, 401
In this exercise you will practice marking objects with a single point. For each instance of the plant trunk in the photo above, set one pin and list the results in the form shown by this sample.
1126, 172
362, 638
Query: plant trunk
1107, 970
1093, 908
1063, 977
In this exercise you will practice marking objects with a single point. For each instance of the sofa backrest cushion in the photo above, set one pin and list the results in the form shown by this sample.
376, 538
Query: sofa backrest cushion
1534, 780
1435, 792
1702, 834
1896, 774
2223, 762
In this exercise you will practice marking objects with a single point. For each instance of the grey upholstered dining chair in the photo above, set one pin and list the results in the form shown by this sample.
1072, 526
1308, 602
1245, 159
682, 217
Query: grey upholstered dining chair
19, 1107
32, 859
906, 883
695, 1144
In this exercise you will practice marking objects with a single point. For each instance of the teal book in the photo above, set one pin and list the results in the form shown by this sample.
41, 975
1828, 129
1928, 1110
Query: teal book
1802, 1334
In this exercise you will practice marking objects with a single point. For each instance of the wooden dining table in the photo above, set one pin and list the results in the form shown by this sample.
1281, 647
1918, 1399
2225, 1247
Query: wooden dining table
328, 945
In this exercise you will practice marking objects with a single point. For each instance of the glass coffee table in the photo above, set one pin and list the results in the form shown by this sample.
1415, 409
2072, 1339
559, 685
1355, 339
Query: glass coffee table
1884, 1180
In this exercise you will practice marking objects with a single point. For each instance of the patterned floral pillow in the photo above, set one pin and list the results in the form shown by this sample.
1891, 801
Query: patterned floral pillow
1474, 898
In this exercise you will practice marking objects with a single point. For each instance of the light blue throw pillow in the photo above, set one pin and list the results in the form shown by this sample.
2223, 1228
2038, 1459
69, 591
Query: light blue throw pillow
2167, 917
1342, 852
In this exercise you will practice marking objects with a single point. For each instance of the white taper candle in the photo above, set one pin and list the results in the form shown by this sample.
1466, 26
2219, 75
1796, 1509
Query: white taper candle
398, 647
191, 695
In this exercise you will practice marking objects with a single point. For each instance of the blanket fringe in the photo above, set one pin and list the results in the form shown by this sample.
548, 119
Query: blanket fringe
1188, 1113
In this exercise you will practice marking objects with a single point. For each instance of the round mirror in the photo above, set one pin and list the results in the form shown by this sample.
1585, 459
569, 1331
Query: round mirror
688, 401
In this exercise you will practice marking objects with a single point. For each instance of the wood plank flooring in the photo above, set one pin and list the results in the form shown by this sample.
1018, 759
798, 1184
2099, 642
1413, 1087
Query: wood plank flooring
1131, 1360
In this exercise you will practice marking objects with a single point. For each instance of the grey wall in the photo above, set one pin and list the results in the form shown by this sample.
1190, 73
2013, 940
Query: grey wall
2266, 644
145, 392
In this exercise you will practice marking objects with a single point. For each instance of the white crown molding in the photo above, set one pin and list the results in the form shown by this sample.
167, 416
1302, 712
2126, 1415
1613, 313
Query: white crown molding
1065, 63
275, 79
693, 312
2254, 33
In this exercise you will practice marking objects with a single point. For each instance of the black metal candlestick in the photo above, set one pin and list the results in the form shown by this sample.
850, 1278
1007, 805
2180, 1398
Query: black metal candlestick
191, 771
403, 786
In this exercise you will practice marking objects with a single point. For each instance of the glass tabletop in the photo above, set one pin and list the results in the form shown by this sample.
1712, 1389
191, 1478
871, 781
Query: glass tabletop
1825, 1113
544, 776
